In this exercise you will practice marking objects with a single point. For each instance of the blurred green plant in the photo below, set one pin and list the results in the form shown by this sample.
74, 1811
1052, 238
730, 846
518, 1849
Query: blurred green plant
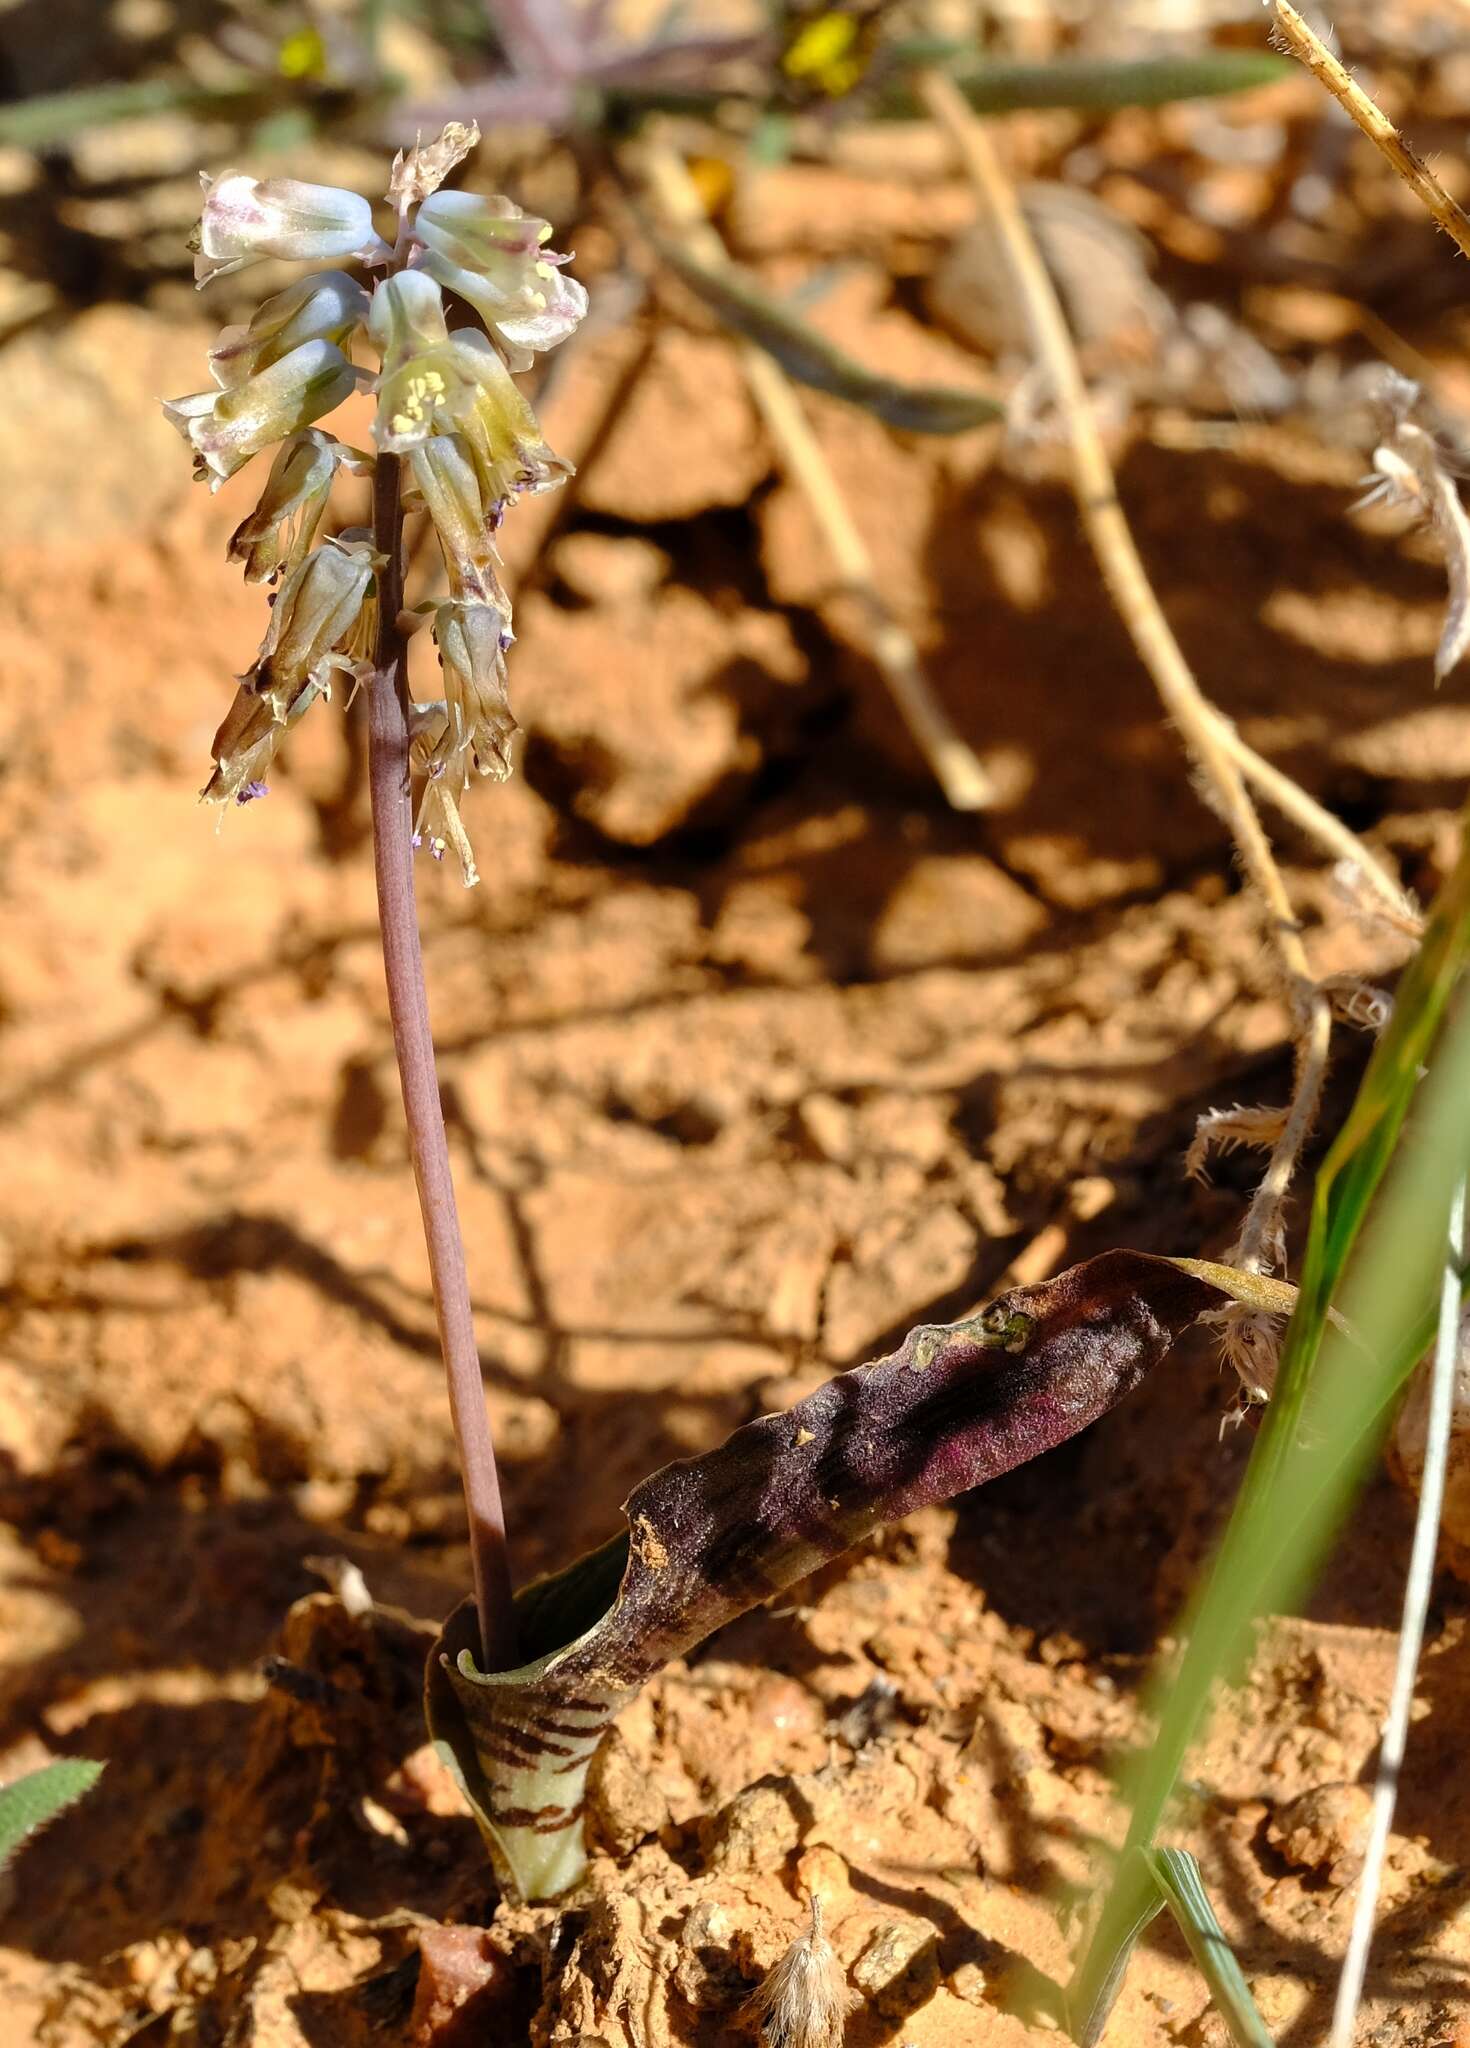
29, 1803
1179, 1886
1365, 1315
548, 62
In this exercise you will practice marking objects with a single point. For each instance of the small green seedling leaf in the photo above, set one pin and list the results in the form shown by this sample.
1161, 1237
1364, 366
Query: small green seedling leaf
1181, 1888
30, 1802
807, 357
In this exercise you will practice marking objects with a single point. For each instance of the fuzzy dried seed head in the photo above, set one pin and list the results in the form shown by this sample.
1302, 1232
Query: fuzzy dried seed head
1411, 468
805, 2000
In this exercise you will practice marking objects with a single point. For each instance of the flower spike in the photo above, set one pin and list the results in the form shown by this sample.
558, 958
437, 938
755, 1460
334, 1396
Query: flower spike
447, 408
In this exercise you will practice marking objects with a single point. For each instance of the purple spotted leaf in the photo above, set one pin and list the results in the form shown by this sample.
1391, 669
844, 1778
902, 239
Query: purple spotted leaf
709, 1537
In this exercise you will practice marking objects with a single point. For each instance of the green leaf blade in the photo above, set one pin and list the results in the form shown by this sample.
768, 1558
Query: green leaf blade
1176, 1874
31, 1802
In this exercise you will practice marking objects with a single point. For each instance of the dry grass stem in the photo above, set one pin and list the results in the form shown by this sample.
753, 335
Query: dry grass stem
1200, 726
1300, 41
1411, 1630
1389, 902
955, 765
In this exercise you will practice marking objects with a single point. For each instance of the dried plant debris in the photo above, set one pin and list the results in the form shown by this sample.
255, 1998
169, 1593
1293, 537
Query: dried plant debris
1226, 1130
710, 1537
805, 2000
1099, 263
1411, 467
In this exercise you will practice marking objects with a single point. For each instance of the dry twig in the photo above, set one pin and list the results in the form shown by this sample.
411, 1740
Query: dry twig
957, 768
1204, 731
1302, 43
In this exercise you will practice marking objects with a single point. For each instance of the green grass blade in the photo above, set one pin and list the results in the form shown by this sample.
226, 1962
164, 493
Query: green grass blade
30, 1802
1089, 85
1335, 1390
56, 117
1177, 1876
1145, 1902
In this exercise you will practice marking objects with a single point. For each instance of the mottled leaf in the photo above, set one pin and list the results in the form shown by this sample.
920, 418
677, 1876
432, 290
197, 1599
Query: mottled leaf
709, 1537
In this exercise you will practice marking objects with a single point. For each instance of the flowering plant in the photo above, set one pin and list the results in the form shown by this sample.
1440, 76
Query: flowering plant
464, 294
446, 400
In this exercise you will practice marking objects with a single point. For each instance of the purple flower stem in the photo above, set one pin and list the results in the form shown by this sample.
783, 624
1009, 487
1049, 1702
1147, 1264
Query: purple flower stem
408, 1005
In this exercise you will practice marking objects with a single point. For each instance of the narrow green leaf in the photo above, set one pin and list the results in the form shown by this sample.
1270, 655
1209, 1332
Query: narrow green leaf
1176, 1874
1340, 1374
30, 1802
56, 117
1091, 85
742, 305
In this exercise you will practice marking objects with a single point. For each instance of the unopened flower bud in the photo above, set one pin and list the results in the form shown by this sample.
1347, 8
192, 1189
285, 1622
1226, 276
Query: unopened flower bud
245, 218
283, 525
327, 306
225, 428
492, 254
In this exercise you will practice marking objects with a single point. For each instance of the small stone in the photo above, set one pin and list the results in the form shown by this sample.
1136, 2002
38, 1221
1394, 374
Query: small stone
758, 1830
626, 1804
462, 1978
968, 1983
898, 1969
1325, 1831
